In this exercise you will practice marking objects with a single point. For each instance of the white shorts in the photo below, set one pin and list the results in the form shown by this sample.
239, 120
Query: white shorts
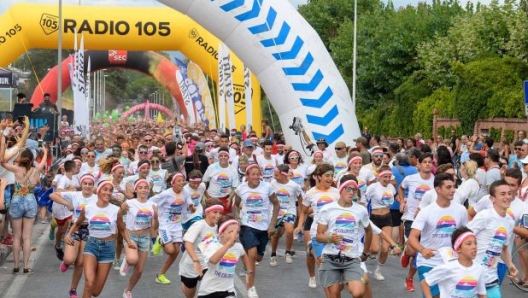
168, 236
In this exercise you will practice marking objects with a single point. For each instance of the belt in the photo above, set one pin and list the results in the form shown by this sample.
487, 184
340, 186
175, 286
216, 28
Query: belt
340, 258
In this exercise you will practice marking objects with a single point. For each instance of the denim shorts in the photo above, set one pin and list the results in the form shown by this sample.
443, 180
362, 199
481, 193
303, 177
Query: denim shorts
102, 250
142, 241
23, 206
81, 234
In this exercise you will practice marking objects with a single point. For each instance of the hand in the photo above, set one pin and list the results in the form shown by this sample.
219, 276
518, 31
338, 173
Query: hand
402, 206
512, 271
3, 124
68, 240
427, 252
198, 268
271, 231
396, 250
131, 245
297, 230
335, 238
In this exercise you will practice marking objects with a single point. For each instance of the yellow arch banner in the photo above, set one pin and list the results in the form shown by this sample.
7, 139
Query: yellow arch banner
27, 26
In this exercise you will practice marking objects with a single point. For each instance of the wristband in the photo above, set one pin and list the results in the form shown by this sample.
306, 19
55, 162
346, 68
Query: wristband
329, 236
196, 261
392, 247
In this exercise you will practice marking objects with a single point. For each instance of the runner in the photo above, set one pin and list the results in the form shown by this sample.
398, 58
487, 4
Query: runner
61, 214
171, 204
381, 196
120, 193
364, 175
197, 189
73, 254
254, 199
338, 226
460, 277
434, 225
103, 220
141, 216
289, 195
221, 179
267, 162
192, 264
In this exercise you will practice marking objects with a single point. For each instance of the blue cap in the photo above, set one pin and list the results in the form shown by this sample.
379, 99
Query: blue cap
248, 143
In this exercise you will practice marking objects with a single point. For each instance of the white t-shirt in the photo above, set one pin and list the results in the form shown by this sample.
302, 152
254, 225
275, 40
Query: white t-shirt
380, 196
196, 197
139, 215
364, 178
287, 194
267, 167
65, 183
221, 180
483, 204
199, 232
493, 232
316, 199
221, 276
133, 168
437, 224
256, 207
468, 191
492, 175
78, 201
214, 154
171, 207
417, 188
340, 164
102, 222
347, 222
279, 158
10, 176
298, 175
480, 175
87, 169
158, 180
60, 211
455, 280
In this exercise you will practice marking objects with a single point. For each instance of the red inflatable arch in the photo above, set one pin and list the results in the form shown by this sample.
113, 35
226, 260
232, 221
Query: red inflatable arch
147, 106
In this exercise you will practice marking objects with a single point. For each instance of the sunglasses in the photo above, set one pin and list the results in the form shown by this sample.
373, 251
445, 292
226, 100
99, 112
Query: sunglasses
518, 148
154, 161
337, 149
294, 158
83, 153
91, 156
378, 155
148, 141
143, 152
351, 189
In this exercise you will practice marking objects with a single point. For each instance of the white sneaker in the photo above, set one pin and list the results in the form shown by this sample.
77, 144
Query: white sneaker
127, 294
288, 258
116, 265
273, 261
377, 275
252, 293
257, 263
312, 283
123, 269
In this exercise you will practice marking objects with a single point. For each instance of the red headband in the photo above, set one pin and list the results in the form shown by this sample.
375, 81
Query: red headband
460, 239
353, 159
377, 150
87, 177
281, 172
143, 165
385, 173
195, 179
318, 152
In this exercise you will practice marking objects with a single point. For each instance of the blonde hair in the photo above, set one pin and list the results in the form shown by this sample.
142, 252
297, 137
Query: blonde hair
471, 168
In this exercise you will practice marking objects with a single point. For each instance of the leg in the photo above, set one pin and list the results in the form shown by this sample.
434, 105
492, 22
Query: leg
375, 245
71, 252
310, 260
252, 257
172, 250
61, 230
78, 269
17, 239
90, 269
356, 288
131, 255
384, 246
288, 230
138, 270
103, 269
27, 229
333, 291
119, 246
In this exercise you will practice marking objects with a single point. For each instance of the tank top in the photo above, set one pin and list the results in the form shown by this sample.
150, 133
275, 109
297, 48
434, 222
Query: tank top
102, 222
139, 215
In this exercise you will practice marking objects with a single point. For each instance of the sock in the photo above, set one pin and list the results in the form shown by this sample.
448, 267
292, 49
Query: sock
153, 240
287, 253
274, 254
379, 266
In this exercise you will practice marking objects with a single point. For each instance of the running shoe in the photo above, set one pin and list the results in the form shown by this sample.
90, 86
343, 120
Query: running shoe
127, 294
405, 260
73, 294
63, 267
312, 283
7, 241
162, 279
257, 263
409, 286
156, 247
116, 264
252, 293
51, 235
288, 258
123, 269
378, 275
59, 253
273, 261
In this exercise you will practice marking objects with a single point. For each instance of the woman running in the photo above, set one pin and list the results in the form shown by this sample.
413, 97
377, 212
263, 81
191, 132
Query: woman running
73, 254
103, 220
197, 189
158, 175
192, 264
221, 256
119, 195
171, 205
141, 216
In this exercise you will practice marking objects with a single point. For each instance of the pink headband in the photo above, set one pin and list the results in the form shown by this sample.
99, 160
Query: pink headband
283, 173
195, 179
385, 173
223, 152
347, 184
225, 224
355, 158
251, 166
293, 153
208, 143
117, 166
460, 239
377, 150
214, 207
140, 181
318, 152
103, 184
176, 176
254, 138
87, 177
143, 165
280, 145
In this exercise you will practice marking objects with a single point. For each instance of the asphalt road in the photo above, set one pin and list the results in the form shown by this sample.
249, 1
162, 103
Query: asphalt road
285, 280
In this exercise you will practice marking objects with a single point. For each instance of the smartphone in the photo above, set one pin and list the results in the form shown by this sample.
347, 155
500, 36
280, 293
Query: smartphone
20, 119
40, 143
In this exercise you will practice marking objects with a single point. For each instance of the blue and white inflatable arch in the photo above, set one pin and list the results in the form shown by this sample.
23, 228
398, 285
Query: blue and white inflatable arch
290, 61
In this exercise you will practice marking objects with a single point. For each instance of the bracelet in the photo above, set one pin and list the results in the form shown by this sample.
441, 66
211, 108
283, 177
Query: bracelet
196, 261
392, 247
328, 237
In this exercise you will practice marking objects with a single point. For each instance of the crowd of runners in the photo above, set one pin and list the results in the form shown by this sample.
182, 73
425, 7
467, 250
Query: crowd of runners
453, 210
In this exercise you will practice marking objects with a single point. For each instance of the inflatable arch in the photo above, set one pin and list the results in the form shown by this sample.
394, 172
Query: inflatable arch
290, 61
147, 106
26, 26
150, 63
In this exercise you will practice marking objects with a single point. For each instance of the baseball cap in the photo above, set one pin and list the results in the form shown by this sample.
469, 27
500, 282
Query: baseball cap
200, 146
248, 143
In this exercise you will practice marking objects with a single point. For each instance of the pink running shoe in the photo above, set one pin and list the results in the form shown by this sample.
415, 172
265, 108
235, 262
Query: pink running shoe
63, 267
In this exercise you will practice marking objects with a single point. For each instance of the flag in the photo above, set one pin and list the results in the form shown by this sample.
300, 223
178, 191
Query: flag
186, 97
88, 84
195, 73
248, 96
194, 92
227, 67
221, 92
80, 104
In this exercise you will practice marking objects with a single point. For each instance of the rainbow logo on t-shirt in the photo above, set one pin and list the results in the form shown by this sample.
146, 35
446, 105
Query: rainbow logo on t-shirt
297, 177
144, 215
466, 287
228, 263
222, 177
175, 210
446, 225
254, 200
323, 200
339, 166
500, 235
283, 195
79, 209
195, 197
387, 198
510, 213
420, 191
268, 171
362, 185
100, 222
346, 220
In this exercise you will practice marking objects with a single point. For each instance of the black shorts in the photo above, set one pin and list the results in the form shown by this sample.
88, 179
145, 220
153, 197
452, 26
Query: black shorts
224, 294
191, 283
308, 223
381, 220
396, 216
407, 224
250, 237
